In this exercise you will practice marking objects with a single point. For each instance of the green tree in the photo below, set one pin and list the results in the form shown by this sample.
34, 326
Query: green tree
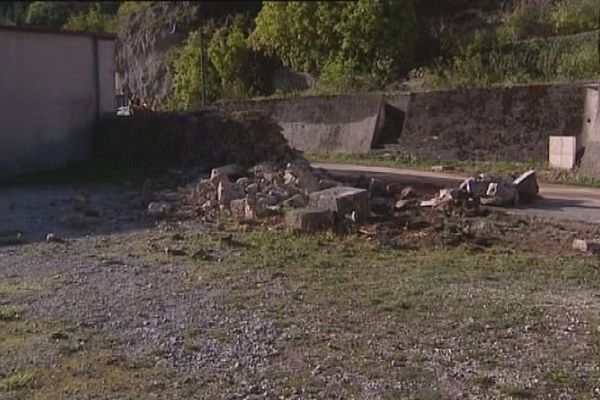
52, 14
235, 61
189, 83
301, 34
369, 37
378, 36
94, 20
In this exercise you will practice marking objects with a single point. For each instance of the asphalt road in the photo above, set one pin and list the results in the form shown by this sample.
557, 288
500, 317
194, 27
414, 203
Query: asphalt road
560, 202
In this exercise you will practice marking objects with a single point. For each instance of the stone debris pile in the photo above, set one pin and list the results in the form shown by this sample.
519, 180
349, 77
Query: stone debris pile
503, 191
314, 201
261, 190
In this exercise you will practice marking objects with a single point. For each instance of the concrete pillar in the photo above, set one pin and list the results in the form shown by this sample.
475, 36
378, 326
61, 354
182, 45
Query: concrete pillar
590, 163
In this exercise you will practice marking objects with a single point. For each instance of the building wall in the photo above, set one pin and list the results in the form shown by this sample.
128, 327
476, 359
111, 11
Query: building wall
48, 98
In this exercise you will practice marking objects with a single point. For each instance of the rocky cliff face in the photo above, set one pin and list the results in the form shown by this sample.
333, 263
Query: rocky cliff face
143, 43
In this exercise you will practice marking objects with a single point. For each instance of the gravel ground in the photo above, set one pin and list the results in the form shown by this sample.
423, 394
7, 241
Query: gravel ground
120, 310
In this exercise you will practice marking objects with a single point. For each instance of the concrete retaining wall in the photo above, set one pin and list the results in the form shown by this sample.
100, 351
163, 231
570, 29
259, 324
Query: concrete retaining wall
49, 97
334, 123
496, 124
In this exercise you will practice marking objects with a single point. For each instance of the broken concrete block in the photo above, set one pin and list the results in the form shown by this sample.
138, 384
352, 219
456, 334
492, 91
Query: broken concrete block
251, 207
297, 200
402, 205
252, 188
342, 200
407, 193
379, 202
436, 201
308, 182
238, 206
527, 186
225, 193
500, 193
327, 184
309, 219
243, 181
592, 246
158, 209
394, 188
267, 201
376, 187
227, 170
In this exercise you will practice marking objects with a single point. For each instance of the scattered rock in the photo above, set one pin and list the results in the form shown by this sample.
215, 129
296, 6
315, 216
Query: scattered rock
500, 193
297, 200
238, 206
158, 209
228, 170
402, 205
527, 187
407, 193
52, 238
592, 246
394, 188
327, 184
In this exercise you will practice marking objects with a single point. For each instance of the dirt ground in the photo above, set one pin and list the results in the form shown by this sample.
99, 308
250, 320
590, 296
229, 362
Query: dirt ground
483, 306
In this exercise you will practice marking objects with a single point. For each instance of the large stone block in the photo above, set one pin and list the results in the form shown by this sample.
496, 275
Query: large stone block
562, 151
342, 200
309, 219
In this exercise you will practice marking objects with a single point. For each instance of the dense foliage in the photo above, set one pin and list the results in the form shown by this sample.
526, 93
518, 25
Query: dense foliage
195, 81
540, 42
342, 40
350, 46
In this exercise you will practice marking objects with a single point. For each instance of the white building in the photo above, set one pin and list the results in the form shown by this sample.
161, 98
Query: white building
53, 85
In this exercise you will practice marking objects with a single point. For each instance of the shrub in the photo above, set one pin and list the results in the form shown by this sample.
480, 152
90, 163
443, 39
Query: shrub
188, 83
373, 38
51, 14
574, 16
232, 57
559, 58
530, 19
93, 20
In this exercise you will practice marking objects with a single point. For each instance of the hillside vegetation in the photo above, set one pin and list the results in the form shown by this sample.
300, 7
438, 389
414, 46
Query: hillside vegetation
236, 49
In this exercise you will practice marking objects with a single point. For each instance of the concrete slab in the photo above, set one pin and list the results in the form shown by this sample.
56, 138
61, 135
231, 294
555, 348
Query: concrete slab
562, 151
343, 200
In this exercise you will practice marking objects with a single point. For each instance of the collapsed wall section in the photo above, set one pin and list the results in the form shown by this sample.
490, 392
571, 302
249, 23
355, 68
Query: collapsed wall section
205, 139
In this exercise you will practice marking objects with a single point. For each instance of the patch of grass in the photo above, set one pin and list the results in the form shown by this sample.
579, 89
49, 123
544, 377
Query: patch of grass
517, 392
10, 314
17, 380
365, 295
429, 394
485, 382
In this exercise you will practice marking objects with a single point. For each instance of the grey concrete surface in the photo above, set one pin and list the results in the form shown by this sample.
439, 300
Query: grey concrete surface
330, 123
48, 97
558, 202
